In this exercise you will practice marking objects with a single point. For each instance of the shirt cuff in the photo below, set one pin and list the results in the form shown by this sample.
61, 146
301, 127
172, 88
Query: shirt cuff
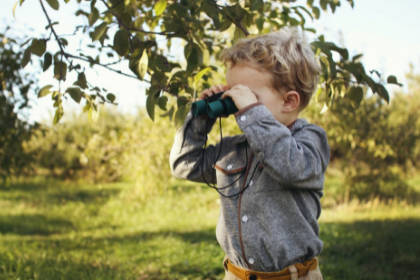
243, 110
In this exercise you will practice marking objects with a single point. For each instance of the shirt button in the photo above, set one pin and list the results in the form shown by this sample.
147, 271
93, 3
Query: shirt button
251, 260
229, 167
243, 118
244, 218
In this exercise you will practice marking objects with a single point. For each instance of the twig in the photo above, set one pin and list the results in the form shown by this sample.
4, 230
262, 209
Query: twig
52, 29
68, 55
104, 66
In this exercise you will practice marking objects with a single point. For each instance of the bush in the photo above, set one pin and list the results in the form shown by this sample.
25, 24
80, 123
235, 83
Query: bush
115, 147
376, 144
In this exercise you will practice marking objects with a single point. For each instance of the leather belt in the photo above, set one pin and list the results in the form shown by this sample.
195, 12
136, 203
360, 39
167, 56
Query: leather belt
285, 274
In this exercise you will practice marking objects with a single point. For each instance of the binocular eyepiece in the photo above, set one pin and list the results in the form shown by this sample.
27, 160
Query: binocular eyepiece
214, 106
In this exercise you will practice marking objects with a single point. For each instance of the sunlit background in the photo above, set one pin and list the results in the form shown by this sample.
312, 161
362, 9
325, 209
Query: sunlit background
86, 199
387, 33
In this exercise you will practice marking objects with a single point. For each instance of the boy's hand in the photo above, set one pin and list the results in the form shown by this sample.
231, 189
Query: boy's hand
241, 95
213, 90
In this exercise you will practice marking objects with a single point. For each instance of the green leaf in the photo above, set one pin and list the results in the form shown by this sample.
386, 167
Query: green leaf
93, 16
55, 94
393, 80
211, 10
324, 4
143, 64
60, 70
182, 101
53, 4
150, 106
76, 93
110, 97
260, 23
238, 34
257, 5
194, 56
355, 94
93, 113
81, 81
99, 31
200, 74
26, 56
160, 7
47, 61
382, 92
14, 8
162, 101
59, 112
316, 12
121, 41
38, 46
169, 113
44, 91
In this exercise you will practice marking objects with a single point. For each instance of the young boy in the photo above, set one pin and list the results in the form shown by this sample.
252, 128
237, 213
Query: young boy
270, 177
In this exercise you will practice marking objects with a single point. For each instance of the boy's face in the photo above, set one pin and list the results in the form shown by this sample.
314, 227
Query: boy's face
260, 83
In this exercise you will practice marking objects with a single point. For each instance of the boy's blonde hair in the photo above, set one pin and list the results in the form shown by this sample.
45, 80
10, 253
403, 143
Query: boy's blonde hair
286, 55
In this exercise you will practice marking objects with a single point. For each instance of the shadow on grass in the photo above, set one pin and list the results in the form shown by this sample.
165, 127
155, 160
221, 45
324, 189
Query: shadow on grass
387, 249
56, 192
18, 266
33, 225
15, 266
130, 241
373, 250
142, 255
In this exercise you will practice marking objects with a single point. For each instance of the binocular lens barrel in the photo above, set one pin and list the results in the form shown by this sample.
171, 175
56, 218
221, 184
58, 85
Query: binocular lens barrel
199, 108
214, 106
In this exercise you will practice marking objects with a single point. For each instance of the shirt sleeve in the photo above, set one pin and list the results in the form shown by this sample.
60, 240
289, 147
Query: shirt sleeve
188, 158
298, 160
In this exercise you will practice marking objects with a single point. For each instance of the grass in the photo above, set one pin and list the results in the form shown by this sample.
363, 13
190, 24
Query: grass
57, 230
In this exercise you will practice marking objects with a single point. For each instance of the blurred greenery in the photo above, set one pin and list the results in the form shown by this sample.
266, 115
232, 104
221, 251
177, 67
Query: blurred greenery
94, 198
374, 144
143, 35
15, 84
52, 229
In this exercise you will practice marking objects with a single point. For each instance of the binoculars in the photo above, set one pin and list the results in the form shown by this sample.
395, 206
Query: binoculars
214, 106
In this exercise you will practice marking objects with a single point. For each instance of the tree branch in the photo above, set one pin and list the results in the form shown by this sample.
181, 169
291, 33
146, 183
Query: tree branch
52, 29
106, 66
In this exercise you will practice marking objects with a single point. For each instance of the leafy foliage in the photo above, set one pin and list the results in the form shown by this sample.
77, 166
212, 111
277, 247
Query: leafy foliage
375, 144
15, 85
131, 31
115, 147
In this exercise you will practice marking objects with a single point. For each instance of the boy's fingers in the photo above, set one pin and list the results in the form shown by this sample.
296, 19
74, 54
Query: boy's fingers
205, 93
217, 88
213, 90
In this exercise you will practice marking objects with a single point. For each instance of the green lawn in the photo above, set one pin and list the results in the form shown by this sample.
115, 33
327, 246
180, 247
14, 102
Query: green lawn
57, 230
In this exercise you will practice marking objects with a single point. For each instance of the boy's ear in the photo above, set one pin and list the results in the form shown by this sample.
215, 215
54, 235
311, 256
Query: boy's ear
291, 101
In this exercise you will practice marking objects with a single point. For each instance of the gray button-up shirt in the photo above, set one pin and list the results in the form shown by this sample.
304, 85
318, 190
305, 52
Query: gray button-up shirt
273, 223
